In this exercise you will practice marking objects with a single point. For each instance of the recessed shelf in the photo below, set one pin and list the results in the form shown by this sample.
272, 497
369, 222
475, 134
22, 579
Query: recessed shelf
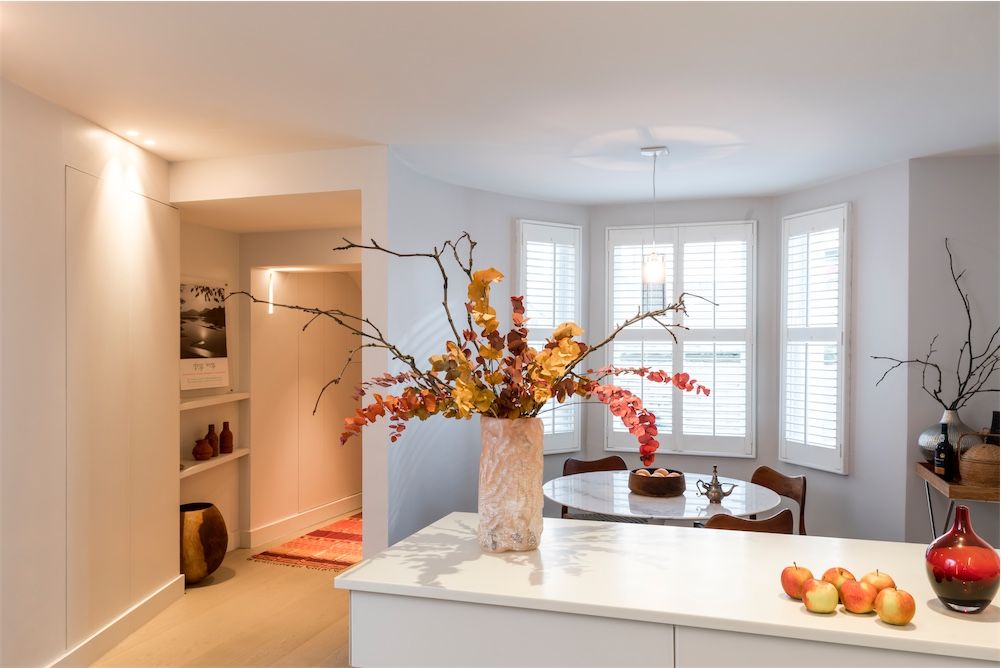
213, 400
191, 466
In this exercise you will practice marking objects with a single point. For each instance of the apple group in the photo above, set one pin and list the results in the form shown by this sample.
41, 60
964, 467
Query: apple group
875, 591
659, 473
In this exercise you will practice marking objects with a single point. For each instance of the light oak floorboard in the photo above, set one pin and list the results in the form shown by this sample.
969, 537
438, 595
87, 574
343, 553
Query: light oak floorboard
247, 613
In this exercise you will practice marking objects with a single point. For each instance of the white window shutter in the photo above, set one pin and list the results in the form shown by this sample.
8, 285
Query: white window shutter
715, 262
549, 277
813, 348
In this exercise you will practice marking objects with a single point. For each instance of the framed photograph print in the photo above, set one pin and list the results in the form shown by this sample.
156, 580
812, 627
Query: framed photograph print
204, 362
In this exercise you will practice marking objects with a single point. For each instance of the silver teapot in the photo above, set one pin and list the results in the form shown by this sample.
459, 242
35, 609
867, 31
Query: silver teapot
714, 490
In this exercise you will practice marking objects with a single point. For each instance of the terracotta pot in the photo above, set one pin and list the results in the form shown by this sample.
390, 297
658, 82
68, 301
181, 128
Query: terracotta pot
204, 540
510, 494
202, 450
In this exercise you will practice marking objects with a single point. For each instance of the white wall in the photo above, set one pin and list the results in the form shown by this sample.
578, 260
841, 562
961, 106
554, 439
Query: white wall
363, 169
68, 569
955, 198
433, 469
214, 255
869, 501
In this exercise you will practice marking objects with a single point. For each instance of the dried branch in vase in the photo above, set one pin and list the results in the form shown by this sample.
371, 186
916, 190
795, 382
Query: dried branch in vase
974, 371
484, 371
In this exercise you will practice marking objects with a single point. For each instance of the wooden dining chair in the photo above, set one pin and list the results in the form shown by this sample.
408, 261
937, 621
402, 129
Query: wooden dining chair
791, 487
780, 523
574, 466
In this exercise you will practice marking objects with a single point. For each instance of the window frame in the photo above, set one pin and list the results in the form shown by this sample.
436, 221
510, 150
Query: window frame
671, 443
567, 442
833, 460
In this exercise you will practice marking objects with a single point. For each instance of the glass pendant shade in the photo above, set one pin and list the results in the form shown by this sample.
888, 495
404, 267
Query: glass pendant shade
653, 269
653, 282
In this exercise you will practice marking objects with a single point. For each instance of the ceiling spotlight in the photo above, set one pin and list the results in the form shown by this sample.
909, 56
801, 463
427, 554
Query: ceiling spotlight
131, 133
150, 142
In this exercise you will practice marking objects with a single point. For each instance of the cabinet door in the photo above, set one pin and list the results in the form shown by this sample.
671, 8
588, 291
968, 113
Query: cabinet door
121, 387
389, 630
706, 648
328, 471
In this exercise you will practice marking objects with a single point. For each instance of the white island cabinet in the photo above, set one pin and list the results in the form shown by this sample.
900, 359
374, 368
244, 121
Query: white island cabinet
610, 594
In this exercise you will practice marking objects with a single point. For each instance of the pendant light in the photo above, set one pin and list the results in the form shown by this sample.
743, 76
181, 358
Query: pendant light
653, 273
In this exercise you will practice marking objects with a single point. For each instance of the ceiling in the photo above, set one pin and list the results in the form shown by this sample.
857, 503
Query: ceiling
547, 100
305, 211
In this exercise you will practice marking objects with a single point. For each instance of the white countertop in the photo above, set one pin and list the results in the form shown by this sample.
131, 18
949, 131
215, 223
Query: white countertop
725, 580
607, 492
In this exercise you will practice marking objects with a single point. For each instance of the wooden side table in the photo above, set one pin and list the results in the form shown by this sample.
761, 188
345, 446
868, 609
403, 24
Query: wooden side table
954, 491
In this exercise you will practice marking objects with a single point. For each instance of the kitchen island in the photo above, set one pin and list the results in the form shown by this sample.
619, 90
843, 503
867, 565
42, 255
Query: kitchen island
611, 594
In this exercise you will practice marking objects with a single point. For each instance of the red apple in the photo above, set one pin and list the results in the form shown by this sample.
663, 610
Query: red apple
879, 580
820, 596
858, 596
793, 578
895, 606
837, 576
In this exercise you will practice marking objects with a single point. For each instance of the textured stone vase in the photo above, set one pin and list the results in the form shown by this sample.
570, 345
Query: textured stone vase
510, 501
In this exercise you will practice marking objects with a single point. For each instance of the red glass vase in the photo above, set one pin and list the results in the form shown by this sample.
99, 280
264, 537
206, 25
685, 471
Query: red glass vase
962, 567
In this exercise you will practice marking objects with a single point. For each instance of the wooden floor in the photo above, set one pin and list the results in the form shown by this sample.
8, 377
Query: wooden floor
247, 613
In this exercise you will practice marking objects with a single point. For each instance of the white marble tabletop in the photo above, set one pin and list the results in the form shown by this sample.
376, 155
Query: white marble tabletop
607, 492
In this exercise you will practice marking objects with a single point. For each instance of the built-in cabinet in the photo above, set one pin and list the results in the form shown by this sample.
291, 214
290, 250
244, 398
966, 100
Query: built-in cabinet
210, 256
121, 334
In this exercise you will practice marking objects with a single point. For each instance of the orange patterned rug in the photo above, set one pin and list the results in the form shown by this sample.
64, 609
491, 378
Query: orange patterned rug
332, 548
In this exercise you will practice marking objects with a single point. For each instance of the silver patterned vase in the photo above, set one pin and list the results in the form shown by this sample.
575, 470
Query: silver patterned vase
928, 439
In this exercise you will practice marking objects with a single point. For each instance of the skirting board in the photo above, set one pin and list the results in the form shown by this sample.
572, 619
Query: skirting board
115, 631
262, 535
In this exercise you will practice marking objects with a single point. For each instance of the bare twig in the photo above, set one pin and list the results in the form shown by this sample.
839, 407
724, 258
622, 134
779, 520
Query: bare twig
337, 379
435, 255
979, 369
343, 319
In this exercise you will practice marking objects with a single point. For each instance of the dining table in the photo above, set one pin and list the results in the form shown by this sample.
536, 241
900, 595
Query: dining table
607, 493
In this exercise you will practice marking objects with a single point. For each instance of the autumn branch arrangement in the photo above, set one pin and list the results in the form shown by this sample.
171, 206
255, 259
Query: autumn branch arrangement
974, 371
486, 372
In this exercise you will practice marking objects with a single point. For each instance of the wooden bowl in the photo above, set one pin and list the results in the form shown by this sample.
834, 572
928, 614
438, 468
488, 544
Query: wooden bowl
656, 486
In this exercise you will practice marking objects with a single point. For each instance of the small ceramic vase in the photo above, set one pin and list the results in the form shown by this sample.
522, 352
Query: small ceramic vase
213, 439
202, 450
225, 439
962, 567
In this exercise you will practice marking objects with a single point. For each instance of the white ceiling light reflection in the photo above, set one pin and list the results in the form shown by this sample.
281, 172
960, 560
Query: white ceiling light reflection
690, 144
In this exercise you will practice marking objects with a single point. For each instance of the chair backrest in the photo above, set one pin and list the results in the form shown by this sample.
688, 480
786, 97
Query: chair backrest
780, 523
613, 463
791, 487
574, 466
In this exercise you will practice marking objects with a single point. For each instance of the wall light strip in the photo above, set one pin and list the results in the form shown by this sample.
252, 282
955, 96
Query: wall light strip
271, 292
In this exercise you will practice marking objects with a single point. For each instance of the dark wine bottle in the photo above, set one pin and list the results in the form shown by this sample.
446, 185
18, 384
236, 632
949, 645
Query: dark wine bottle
943, 455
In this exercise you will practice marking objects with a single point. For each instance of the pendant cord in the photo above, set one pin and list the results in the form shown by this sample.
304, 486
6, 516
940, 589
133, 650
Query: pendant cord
655, 192
654, 221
